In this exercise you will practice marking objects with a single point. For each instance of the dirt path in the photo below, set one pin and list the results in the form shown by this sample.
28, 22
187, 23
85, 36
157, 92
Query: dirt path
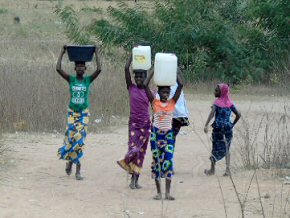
33, 182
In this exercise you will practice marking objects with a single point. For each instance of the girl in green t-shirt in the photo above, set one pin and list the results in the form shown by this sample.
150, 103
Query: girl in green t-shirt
78, 113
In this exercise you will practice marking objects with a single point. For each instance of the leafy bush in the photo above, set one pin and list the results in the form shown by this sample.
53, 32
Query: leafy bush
93, 9
231, 40
3, 10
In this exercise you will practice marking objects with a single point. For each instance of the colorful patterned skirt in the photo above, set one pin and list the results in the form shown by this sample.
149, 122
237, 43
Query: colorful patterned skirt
139, 134
77, 124
162, 147
221, 142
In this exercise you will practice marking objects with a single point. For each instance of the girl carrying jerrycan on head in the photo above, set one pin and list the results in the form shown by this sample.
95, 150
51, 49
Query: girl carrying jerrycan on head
139, 120
162, 136
180, 114
222, 132
78, 112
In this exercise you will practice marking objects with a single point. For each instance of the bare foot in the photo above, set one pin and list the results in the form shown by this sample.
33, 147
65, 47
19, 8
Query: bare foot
169, 197
132, 186
138, 186
209, 172
79, 177
157, 197
68, 168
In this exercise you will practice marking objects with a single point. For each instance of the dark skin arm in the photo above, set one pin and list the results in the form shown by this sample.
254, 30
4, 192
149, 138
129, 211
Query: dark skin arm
179, 88
98, 62
58, 65
238, 116
210, 116
146, 86
127, 72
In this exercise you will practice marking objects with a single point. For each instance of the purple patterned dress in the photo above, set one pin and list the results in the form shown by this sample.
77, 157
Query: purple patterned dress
139, 131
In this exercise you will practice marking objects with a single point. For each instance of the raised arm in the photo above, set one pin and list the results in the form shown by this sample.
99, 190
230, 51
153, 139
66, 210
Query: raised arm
238, 116
98, 62
210, 116
58, 65
179, 88
127, 72
146, 86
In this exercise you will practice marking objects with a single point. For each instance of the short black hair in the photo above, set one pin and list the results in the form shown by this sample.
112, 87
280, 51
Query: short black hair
140, 72
80, 62
162, 87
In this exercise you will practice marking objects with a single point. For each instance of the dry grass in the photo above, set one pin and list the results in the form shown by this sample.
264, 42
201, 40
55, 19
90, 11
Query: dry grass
33, 96
33, 93
264, 141
263, 147
246, 159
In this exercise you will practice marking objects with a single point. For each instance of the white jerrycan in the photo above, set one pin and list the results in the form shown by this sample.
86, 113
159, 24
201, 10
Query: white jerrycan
165, 69
141, 56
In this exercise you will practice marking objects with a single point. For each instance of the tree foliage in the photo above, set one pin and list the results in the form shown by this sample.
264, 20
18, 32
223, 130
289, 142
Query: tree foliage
231, 40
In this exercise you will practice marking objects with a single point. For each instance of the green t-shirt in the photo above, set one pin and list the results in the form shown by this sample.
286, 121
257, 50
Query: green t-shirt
79, 91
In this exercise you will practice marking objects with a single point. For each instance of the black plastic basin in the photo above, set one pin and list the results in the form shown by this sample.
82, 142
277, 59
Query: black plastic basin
80, 52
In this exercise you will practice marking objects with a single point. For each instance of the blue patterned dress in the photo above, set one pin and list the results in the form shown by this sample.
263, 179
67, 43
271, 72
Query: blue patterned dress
162, 147
222, 132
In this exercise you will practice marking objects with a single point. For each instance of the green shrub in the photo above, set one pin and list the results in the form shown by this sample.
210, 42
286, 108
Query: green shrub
3, 10
93, 9
229, 40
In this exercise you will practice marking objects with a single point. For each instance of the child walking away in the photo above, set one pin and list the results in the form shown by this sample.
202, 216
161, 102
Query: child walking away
139, 125
78, 113
222, 132
162, 136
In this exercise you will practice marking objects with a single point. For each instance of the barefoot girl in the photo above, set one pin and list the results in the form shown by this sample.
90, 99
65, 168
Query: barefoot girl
139, 125
222, 132
78, 113
162, 136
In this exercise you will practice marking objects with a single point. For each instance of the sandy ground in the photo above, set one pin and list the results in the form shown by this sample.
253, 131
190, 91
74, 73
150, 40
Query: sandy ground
33, 182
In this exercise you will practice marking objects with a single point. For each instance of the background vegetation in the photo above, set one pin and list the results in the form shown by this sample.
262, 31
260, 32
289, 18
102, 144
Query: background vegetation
33, 97
245, 42
238, 41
